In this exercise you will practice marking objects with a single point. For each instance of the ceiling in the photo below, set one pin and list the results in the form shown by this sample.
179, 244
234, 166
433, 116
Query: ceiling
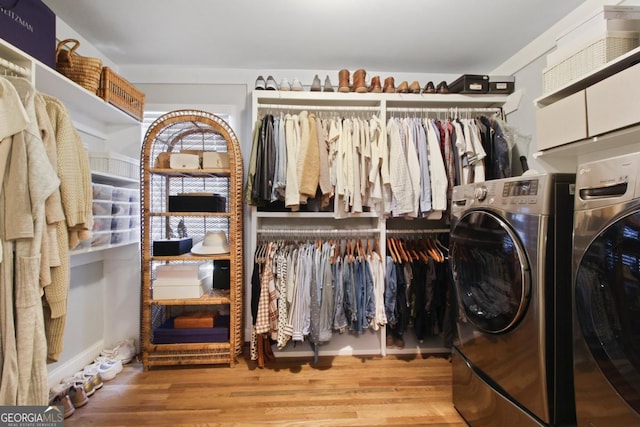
441, 36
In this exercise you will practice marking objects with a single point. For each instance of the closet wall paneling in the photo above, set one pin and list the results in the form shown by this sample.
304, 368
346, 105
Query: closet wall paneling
282, 224
103, 296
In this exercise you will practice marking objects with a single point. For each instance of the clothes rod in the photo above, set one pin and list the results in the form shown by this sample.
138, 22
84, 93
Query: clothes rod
317, 232
399, 231
445, 110
13, 68
317, 107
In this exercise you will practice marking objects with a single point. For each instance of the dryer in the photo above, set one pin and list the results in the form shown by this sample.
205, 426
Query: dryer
606, 292
510, 252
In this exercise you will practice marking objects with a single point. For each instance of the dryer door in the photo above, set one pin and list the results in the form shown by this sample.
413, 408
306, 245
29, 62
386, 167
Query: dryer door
607, 305
490, 270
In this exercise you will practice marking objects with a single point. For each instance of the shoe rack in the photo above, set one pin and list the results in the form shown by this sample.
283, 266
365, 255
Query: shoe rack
385, 105
195, 132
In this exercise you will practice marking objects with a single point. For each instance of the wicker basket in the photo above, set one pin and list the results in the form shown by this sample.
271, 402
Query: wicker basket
119, 92
83, 70
592, 56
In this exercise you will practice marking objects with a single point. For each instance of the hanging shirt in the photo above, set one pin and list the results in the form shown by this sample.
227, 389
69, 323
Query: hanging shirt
292, 137
399, 177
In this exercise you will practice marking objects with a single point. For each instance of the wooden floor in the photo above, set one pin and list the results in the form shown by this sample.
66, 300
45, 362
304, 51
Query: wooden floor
338, 391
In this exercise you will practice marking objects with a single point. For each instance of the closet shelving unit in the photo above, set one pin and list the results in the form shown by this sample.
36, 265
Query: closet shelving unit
364, 225
173, 132
102, 127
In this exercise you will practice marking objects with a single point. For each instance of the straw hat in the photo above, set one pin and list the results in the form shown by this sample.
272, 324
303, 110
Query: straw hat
214, 242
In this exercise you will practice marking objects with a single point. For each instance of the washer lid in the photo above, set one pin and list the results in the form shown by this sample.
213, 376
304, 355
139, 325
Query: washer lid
491, 272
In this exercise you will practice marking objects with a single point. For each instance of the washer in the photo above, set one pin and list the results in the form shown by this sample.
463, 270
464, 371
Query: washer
510, 256
606, 292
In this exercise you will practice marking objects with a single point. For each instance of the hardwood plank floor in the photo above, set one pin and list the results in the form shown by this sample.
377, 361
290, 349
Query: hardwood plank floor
338, 391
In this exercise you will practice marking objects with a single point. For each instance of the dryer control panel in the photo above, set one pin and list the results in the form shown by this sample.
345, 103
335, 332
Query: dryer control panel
526, 195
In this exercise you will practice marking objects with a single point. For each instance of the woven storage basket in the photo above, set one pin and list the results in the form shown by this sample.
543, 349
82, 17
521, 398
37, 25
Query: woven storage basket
119, 92
589, 58
83, 70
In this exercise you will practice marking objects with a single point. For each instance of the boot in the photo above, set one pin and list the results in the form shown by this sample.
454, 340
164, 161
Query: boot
359, 83
375, 86
343, 81
403, 87
260, 343
268, 351
389, 85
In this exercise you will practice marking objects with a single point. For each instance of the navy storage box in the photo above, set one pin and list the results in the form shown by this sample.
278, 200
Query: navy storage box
172, 246
167, 334
30, 26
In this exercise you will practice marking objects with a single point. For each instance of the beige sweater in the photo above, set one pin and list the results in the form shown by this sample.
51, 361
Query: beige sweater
76, 195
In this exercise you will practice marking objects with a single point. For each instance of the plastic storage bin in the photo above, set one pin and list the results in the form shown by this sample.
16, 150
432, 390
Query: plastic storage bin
101, 223
100, 238
120, 223
102, 191
102, 207
118, 237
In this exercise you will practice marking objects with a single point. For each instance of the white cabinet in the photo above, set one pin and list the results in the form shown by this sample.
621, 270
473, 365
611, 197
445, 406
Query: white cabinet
562, 122
614, 103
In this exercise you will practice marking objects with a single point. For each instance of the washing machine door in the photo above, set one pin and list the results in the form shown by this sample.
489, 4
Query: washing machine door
607, 305
490, 270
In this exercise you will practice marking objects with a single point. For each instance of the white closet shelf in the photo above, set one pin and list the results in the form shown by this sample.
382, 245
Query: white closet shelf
335, 100
259, 214
76, 98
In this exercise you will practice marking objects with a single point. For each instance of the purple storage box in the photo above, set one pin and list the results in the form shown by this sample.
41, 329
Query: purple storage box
167, 334
30, 26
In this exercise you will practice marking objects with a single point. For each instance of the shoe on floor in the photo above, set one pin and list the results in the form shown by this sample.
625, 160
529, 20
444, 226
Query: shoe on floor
124, 351
79, 380
399, 342
107, 371
78, 396
65, 402
109, 361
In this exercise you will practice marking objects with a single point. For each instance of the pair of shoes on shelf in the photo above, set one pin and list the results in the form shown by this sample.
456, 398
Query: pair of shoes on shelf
316, 85
359, 81
269, 84
124, 351
294, 85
